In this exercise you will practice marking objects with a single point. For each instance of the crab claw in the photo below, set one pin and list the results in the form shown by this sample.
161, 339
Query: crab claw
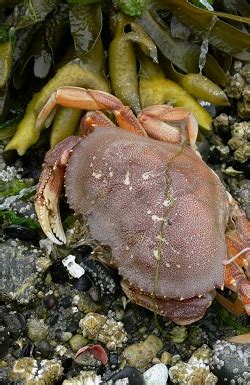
47, 205
49, 190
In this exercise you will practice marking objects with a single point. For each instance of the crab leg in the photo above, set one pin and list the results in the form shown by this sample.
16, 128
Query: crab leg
93, 119
49, 189
76, 97
236, 280
158, 122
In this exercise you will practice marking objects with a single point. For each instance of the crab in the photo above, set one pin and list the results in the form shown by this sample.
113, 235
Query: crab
148, 195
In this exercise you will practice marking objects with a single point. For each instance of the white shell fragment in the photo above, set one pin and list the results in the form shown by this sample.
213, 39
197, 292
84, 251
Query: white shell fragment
158, 374
73, 268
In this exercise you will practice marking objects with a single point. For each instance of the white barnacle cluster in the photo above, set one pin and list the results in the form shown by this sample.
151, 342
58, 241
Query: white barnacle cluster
108, 331
27, 369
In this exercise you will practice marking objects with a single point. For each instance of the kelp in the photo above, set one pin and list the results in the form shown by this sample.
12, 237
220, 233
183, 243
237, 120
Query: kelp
197, 85
66, 120
5, 62
31, 12
123, 68
123, 62
73, 74
85, 25
155, 89
49, 28
208, 24
44, 47
183, 54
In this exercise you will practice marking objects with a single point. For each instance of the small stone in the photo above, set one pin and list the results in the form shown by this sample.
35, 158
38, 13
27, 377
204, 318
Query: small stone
37, 330
113, 360
133, 376
66, 336
141, 354
45, 348
77, 342
85, 303
178, 334
166, 358
157, 374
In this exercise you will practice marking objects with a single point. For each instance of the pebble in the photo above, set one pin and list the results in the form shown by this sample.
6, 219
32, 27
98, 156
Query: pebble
77, 342
141, 354
85, 304
178, 334
83, 283
166, 358
133, 376
157, 374
45, 348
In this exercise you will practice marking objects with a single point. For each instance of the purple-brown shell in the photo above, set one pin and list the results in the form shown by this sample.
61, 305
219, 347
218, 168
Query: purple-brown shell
154, 204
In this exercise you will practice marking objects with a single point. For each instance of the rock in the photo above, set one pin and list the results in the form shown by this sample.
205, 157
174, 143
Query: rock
157, 374
133, 376
141, 354
77, 341
230, 362
4, 341
19, 261
15, 323
21, 232
32, 372
85, 303
178, 334
166, 358
45, 348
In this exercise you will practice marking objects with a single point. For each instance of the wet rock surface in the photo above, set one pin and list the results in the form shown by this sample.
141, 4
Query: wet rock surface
47, 314
230, 362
